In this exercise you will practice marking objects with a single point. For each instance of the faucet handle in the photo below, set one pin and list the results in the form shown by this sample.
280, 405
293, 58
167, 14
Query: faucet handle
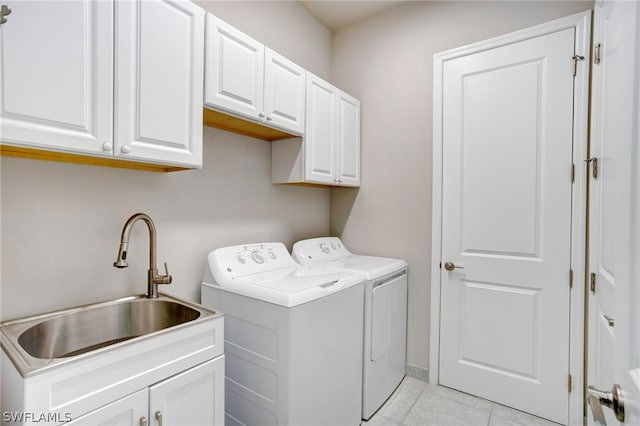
163, 279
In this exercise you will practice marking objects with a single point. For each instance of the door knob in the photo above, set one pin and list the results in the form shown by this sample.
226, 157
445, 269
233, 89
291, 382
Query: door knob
4, 11
450, 266
613, 400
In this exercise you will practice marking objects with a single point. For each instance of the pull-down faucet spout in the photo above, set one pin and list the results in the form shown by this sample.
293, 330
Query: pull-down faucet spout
153, 279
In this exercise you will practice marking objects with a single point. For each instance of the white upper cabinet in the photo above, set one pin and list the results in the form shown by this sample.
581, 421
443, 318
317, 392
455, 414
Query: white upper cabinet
56, 90
159, 77
284, 92
320, 138
329, 152
348, 140
102, 78
246, 79
235, 70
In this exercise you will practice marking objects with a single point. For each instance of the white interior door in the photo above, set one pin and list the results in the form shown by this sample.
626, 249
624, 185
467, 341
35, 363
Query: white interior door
506, 223
614, 244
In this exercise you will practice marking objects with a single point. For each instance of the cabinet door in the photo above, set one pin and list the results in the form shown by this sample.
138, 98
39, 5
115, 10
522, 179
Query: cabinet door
195, 397
320, 136
159, 79
56, 88
127, 411
284, 93
234, 70
348, 149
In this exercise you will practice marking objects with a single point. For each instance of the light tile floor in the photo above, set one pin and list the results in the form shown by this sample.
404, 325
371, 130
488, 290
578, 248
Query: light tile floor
417, 403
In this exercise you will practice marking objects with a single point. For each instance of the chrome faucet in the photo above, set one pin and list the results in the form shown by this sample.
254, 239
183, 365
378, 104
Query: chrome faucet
153, 279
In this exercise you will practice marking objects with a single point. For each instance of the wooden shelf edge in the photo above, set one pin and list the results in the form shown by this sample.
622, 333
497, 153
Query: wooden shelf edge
65, 157
223, 121
308, 184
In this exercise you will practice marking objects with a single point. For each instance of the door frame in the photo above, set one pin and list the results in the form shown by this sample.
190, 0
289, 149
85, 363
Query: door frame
581, 22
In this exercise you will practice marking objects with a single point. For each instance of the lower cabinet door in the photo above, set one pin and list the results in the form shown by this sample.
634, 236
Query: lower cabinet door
195, 397
131, 410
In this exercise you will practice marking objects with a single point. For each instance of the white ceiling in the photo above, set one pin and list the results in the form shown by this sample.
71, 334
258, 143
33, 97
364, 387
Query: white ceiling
337, 14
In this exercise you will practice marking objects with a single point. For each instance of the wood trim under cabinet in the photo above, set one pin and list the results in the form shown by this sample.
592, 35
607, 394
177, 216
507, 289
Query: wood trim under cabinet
233, 124
37, 154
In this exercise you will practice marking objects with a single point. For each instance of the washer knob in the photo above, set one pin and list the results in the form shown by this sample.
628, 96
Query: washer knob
257, 257
272, 255
324, 247
333, 245
241, 259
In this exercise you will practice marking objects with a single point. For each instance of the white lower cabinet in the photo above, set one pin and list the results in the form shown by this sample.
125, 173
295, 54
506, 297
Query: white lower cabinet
194, 397
175, 377
127, 411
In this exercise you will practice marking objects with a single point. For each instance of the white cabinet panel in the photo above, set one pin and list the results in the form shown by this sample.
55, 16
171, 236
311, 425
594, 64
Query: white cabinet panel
57, 81
348, 140
320, 146
329, 152
235, 70
159, 75
246, 79
203, 386
127, 411
284, 92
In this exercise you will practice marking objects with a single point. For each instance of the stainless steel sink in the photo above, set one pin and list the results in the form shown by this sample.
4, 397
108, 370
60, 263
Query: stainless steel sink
45, 340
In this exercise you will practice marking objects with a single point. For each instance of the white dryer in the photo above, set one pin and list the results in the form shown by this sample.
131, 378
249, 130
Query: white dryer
385, 314
293, 337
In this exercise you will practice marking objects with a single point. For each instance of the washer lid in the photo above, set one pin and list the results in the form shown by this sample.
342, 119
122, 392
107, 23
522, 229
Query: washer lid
370, 267
267, 272
290, 286
331, 251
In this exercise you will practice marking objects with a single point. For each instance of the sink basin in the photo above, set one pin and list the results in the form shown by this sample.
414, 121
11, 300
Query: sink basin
45, 340
86, 330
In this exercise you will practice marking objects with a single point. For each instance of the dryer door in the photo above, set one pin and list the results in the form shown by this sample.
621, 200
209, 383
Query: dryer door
389, 321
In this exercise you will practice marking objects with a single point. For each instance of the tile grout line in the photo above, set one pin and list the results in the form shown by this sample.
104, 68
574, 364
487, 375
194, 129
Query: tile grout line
493, 406
412, 405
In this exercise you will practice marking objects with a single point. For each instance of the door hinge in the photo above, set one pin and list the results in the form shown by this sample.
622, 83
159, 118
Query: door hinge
570, 278
596, 54
593, 161
573, 172
575, 60
570, 383
592, 282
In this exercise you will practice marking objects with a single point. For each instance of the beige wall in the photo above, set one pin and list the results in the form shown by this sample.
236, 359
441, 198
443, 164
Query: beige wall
386, 61
61, 223
284, 26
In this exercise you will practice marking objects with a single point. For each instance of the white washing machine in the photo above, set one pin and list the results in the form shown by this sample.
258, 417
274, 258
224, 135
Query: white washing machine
293, 337
385, 314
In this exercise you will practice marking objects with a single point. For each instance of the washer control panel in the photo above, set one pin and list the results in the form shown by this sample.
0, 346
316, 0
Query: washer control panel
252, 258
319, 250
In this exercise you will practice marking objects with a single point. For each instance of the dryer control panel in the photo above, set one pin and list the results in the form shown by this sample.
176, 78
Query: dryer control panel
316, 250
